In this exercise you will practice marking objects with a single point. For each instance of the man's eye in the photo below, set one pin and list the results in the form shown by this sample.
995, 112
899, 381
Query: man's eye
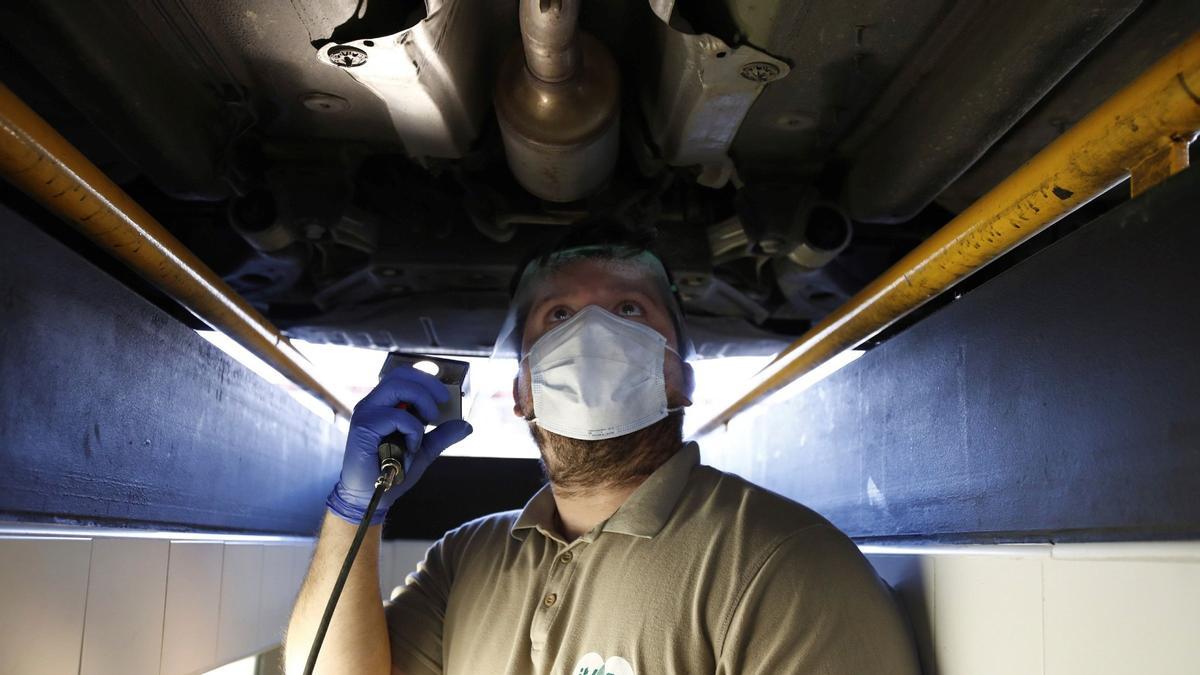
560, 314
628, 308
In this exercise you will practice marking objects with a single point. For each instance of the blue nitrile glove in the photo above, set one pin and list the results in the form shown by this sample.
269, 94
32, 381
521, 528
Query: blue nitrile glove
376, 416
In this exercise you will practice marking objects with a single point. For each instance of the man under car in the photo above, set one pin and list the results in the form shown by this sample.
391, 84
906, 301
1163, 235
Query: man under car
634, 558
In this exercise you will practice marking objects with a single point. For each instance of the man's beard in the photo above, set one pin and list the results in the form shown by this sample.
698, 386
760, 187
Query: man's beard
576, 467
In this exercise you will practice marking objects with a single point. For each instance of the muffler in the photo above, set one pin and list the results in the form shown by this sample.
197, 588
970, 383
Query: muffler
558, 103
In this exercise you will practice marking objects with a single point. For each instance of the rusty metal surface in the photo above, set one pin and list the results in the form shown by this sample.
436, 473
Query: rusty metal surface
1147, 117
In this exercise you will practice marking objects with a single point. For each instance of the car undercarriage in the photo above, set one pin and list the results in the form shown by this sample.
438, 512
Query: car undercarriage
371, 173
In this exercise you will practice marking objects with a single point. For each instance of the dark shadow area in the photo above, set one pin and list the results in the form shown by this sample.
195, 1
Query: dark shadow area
455, 490
904, 577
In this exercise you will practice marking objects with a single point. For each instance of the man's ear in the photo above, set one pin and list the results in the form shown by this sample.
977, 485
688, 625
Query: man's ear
689, 382
517, 397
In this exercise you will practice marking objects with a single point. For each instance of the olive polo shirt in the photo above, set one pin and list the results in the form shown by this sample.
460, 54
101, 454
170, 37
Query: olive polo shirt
697, 572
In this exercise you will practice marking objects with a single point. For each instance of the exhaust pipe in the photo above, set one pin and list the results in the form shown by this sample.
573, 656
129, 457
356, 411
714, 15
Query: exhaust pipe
558, 103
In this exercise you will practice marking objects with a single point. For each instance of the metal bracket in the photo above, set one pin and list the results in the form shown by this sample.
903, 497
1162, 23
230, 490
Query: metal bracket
702, 89
435, 77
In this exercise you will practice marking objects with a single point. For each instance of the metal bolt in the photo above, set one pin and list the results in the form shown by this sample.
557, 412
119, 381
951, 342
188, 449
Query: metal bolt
760, 71
347, 56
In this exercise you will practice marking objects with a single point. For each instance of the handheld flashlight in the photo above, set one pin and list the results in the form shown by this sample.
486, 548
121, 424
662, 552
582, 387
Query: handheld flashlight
454, 375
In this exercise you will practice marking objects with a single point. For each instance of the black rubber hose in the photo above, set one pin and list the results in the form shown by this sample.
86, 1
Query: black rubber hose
359, 535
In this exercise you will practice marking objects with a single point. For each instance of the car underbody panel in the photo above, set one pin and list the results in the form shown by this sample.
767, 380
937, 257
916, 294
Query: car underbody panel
371, 173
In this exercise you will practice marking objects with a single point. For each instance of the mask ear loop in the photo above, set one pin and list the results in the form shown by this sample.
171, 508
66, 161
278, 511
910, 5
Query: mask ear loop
687, 382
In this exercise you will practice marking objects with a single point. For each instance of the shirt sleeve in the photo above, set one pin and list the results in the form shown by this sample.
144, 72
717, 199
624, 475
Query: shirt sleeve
416, 613
817, 607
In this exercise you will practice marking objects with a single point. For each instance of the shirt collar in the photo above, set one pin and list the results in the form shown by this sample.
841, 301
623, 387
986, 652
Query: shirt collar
643, 514
538, 513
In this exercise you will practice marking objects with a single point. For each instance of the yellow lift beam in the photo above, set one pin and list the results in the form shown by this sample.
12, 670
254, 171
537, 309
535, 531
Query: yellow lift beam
1142, 132
39, 161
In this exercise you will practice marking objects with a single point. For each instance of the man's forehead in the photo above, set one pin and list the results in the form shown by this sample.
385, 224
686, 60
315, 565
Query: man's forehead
592, 280
590, 275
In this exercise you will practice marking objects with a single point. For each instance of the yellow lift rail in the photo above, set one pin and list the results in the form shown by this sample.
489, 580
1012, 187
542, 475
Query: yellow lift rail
39, 161
1142, 132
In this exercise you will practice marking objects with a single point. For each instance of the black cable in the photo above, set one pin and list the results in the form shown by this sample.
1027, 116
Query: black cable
385, 481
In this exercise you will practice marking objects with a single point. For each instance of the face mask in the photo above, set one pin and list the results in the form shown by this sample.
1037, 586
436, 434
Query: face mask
598, 376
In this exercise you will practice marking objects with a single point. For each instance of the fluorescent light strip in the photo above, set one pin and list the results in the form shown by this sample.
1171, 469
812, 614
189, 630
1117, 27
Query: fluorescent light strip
267, 372
10, 530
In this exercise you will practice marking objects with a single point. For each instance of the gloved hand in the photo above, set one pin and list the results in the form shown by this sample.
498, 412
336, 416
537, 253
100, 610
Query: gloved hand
376, 416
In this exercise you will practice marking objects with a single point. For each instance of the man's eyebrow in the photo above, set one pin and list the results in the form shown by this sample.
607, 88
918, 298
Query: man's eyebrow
616, 289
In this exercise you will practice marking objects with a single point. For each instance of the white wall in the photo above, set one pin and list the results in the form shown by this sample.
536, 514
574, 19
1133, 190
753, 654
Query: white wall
100, 601
397, 559
96, 601
109, 601
1067, 609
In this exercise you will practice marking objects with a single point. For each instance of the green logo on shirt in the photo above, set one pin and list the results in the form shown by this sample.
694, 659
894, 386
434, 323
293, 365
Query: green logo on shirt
594, 664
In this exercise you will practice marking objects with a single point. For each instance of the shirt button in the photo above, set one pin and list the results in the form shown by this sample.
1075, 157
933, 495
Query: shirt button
566, 557
550, 600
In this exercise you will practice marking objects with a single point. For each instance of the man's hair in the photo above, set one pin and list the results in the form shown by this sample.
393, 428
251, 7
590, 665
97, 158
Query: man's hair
595, 237
602, 238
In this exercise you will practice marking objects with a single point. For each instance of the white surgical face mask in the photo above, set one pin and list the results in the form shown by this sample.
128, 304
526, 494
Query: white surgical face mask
598, 376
